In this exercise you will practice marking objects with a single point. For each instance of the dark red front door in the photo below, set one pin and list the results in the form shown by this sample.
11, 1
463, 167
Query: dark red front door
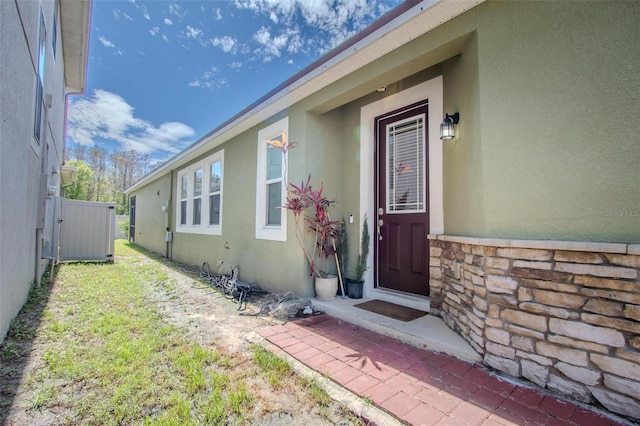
402, 220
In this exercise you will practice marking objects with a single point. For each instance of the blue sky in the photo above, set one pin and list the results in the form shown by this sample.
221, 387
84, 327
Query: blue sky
161, 74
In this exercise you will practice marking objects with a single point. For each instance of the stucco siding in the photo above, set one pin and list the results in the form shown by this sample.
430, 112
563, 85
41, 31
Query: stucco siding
273, 265
559, 95
151, 219
545, 148
21, 159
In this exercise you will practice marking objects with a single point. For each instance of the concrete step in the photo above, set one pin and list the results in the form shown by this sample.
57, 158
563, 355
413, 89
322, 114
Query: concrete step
427, 332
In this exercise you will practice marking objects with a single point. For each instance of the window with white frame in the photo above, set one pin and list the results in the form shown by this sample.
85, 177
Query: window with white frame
214, 169
196, 220
184, 198
271, 223
199, 200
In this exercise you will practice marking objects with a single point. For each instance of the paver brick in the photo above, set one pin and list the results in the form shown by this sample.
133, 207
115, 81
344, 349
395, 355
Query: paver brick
557, 407
470, 414
298, 347
318, 360
307, 354
423, 415
529, 397
423, 387
361, 384
442, 402
407, 383
332, 367
383, 372
524, 412
380, 393
346, 375
588, 417
486, 398
401, 404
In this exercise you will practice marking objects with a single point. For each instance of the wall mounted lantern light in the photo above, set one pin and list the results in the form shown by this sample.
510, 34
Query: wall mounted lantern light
447, 128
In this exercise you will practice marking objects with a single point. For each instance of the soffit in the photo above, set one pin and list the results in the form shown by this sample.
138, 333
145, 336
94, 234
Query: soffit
74, 26
414, 22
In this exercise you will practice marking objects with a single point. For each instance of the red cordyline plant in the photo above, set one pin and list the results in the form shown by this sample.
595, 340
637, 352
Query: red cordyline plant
310, 207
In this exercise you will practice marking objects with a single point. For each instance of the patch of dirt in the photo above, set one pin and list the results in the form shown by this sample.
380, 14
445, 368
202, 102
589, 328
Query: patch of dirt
207, 317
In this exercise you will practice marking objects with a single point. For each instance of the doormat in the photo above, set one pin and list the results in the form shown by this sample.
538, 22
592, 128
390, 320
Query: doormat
391, 310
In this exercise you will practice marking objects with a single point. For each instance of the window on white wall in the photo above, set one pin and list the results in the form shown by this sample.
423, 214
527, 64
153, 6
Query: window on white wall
184, 198
271, 223
215, 191
42, 55
200, 196
197, 197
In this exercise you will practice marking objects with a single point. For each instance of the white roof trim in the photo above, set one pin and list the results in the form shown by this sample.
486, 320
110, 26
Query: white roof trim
75, 17
419, 19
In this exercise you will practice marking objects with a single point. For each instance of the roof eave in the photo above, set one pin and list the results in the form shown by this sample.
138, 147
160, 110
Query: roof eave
371, 44
75, 18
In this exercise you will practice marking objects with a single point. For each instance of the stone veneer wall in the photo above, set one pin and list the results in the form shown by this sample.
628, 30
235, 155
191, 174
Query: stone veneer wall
564, 315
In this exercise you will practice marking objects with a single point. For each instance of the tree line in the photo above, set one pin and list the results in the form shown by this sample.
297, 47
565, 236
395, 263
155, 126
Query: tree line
103, 176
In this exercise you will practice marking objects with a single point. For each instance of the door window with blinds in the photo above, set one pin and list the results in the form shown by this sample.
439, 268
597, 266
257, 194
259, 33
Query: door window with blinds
406, 178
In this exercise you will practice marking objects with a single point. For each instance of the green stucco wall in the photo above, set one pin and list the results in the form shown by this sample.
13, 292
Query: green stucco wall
151, 219
549, 96
547, 145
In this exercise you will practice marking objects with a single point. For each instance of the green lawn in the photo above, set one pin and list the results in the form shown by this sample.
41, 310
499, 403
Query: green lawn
110, 357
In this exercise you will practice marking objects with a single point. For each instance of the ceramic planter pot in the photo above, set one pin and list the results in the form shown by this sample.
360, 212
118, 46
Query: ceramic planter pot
326, 288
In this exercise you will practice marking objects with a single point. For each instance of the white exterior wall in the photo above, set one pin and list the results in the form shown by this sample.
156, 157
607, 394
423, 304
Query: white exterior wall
20, 157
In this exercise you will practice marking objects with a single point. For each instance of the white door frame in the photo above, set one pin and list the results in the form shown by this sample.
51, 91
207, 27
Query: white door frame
433, 91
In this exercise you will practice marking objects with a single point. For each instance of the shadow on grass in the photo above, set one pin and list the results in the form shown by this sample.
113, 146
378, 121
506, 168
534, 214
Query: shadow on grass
191, 270
18, 343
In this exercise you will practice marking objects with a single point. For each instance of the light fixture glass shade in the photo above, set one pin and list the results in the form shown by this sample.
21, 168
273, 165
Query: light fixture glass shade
447, 130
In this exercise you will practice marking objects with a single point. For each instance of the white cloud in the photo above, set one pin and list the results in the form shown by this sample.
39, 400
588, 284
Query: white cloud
272, 46
168, 21
193, 32
326, 23
196, 34
176, 10
154, 31
107, 116
217, 15
117, 14
105, 42
226, 43
262, 36
209, 80
235, 65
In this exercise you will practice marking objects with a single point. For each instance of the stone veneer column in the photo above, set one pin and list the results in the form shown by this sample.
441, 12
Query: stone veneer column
564, 315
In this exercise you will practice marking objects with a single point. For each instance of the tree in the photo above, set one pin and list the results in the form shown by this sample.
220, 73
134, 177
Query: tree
98, 162
84, 179
127, 167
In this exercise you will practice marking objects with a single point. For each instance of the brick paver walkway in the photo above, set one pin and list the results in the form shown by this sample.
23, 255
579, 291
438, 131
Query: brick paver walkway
418, 386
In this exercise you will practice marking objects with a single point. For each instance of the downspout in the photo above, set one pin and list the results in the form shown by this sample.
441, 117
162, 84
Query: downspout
169, 251
42, 190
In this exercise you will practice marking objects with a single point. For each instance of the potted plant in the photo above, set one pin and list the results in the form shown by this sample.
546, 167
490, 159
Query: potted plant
310, 211
354, 287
